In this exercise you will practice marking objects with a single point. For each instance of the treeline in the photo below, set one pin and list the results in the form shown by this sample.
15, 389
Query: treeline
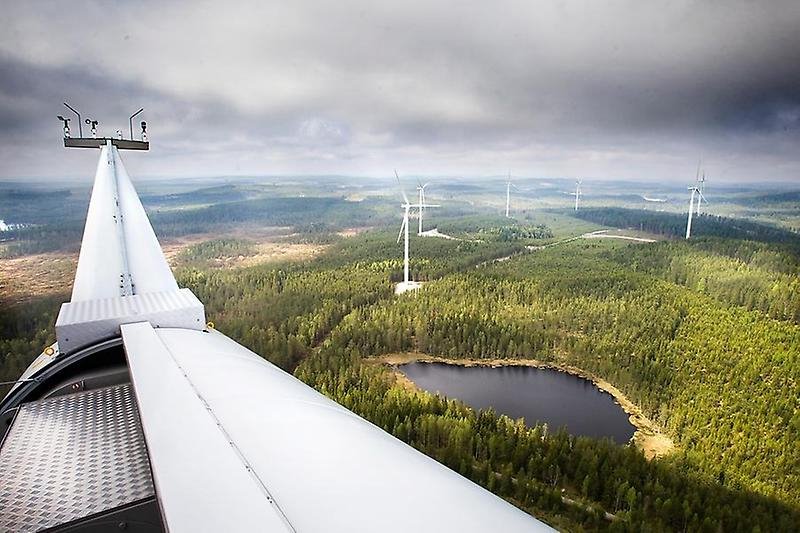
49, 217
204, 195
743, 273
674, 225
723, 381
789, 197
518, 233
319, 217
570, 482
203, 254
25, 330
283, 313
774, 257
431, 257
273, 211
42, 239
488, 228
39, 206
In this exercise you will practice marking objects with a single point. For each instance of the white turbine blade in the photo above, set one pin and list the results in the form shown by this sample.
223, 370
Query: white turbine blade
402, 227
701, 196
262, 427
396, 175
128, 247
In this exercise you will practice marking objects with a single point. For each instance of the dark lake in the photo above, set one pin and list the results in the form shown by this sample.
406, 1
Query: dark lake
536, 394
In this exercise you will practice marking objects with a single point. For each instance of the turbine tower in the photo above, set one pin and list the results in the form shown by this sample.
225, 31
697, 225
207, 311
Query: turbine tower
695, 192
421, 204
508, 194
578, 193
407, 283
508, 197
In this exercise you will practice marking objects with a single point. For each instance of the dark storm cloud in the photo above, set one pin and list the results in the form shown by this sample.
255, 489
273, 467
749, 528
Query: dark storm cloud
31, 98
605, 89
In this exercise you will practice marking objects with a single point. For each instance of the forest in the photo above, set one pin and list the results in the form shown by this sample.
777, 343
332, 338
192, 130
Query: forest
598, 306
749, 274
581, 304
56, 223
703, 225
702, 335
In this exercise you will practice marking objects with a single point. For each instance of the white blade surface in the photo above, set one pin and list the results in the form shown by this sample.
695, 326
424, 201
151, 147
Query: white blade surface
202, 483
100, 262
221, 422
120, 254
149, 267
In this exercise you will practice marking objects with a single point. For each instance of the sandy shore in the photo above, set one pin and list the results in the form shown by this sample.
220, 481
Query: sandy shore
648, 436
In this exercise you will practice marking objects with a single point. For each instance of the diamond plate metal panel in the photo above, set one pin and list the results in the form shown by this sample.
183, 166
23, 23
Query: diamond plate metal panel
70, 457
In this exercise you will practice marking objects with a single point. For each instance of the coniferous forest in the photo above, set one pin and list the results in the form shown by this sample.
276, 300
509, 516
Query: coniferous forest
702, 335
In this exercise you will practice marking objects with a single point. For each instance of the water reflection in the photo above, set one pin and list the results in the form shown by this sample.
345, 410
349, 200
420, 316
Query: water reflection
537, 394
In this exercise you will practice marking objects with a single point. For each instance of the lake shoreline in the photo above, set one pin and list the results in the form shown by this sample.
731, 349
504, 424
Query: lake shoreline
648, 437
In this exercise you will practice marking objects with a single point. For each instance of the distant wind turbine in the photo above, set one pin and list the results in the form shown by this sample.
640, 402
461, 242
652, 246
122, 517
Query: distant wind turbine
407, 284
422, 205
508, 194
578, 193
701, 181
695, 192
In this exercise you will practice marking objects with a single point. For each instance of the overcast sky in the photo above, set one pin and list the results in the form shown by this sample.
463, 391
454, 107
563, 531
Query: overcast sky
600, 90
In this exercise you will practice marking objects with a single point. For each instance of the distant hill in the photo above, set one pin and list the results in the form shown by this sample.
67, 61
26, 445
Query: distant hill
674, 225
